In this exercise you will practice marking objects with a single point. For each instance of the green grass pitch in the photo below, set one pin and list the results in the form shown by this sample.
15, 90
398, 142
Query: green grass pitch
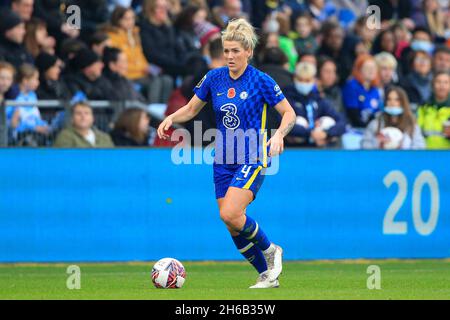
400, 279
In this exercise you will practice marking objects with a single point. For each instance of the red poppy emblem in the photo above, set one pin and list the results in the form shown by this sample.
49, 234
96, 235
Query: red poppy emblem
231, 93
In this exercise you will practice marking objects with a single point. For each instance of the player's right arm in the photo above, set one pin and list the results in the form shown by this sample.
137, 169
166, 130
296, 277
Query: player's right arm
183, 114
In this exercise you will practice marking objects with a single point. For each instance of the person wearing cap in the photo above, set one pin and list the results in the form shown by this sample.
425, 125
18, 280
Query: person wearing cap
12, 34
98, 42
51, 86
206, 32
88, 77
69, 48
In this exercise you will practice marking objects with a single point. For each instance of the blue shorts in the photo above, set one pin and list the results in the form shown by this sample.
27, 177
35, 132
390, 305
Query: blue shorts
244, 176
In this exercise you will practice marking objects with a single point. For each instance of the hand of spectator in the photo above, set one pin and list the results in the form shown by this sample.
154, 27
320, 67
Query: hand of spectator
318, 134
321, 143
70, 31
163, 127
447, 130
42, 130
409, 23
154, 70
382, 140
49, 44
287, 10
386, 24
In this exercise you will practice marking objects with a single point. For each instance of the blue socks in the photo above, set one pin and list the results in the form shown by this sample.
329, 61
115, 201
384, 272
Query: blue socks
251, 252
251, 242
252, 232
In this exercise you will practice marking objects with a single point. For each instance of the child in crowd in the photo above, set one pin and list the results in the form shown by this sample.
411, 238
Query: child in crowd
304, 40
27, 118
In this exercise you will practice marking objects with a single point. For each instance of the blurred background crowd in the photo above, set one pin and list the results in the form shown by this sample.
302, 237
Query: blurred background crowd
357, 77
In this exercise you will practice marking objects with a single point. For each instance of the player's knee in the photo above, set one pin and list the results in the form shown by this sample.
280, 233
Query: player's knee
226, 215
229, 216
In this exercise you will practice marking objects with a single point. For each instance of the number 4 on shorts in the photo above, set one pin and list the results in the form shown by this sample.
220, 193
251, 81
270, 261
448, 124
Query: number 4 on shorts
246, 170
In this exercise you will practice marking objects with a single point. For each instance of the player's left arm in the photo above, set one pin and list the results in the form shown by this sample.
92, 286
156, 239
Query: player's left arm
287, 113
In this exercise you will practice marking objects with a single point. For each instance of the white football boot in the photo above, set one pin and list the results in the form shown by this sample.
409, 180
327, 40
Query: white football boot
274, 262
263, 282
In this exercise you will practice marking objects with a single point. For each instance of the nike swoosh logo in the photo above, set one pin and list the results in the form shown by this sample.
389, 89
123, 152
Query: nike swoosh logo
239, 179
219, 94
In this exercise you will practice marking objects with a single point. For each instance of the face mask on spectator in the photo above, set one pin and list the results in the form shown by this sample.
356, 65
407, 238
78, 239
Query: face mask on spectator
421, 45
304, 87
393, 111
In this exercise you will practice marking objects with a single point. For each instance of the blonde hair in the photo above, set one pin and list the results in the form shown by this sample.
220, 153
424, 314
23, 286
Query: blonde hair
148, 8
305, 69
385, 59
240, 30
7, 66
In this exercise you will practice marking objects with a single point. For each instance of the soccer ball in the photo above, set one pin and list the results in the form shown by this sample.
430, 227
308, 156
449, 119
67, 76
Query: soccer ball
168, 273
326, 122
394, 136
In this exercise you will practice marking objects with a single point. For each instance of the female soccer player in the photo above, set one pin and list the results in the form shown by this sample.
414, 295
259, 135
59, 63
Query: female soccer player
240, 95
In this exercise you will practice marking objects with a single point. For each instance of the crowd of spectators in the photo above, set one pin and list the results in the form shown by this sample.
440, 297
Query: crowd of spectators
355, 79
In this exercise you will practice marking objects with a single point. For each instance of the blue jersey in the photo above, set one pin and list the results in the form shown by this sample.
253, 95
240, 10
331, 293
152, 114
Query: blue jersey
241, 113
355, 96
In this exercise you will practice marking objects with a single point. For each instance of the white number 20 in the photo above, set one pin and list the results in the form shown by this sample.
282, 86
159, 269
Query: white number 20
424, 228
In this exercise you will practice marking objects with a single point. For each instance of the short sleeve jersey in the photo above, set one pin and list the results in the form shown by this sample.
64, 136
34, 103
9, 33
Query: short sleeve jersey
240, 106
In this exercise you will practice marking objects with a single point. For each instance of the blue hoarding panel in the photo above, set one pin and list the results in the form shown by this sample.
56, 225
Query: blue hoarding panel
121, 205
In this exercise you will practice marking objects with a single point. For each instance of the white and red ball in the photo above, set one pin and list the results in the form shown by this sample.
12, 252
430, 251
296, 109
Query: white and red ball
326, 122
394, 137
301, 121
168, 273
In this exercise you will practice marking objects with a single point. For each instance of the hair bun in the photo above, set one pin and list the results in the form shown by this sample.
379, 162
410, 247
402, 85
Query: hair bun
242, 31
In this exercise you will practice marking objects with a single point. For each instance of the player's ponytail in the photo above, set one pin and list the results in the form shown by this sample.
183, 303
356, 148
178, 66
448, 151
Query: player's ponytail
240, 30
